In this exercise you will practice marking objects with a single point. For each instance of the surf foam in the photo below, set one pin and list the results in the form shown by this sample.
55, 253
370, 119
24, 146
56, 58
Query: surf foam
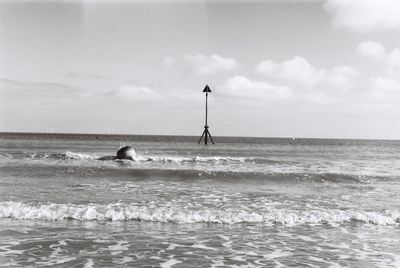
143, 158
179, 214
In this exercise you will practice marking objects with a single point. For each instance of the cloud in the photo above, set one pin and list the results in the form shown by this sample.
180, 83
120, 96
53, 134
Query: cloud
208, 65
393, 58
86, 76
93, 85
382, 88
299, 70
296, 69
82, 86
373, 50
39, 89
385, 84
169, 61
364, 15
342, 77
376, 51
134, 92
240, 86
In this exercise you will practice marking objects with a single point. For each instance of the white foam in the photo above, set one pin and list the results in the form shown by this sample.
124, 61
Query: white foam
6, 249
124, 260
89, 263
58, 260
201, 246
118, 248
276, 254
169, 263
152, 158
82, 156
179, 214
182, 159
173, 246
56, 249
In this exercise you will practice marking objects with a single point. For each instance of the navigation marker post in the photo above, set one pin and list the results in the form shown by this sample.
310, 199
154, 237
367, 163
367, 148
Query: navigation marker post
206, 133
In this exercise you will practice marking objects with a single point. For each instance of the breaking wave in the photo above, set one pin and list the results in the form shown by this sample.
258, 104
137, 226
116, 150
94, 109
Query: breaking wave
67, 155
232, 166
72, 155
142, 158
199, 159
179, 214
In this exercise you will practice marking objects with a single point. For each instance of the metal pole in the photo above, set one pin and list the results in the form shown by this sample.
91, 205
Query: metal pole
206, 107
206, 134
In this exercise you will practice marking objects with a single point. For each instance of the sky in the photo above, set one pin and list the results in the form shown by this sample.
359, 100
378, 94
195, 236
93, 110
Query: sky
315, 69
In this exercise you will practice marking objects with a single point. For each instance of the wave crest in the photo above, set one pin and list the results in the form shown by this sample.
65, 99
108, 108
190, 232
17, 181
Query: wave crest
143, 158
152, 213
83, 156
196, 159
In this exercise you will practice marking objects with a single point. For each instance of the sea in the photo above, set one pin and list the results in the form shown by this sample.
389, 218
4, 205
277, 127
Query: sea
243, 202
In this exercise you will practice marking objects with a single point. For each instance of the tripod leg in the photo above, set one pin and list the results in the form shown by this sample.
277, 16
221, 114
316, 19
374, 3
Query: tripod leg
201, 137
209, 134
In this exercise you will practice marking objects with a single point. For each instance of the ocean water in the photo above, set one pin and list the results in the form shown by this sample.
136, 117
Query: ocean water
244, 202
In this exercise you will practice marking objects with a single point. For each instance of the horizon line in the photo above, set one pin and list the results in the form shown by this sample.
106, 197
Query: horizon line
182, 135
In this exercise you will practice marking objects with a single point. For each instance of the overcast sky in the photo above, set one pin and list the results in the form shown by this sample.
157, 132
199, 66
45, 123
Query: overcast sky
328, 69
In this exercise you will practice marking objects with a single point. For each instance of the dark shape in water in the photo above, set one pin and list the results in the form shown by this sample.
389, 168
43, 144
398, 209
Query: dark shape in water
126, 152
